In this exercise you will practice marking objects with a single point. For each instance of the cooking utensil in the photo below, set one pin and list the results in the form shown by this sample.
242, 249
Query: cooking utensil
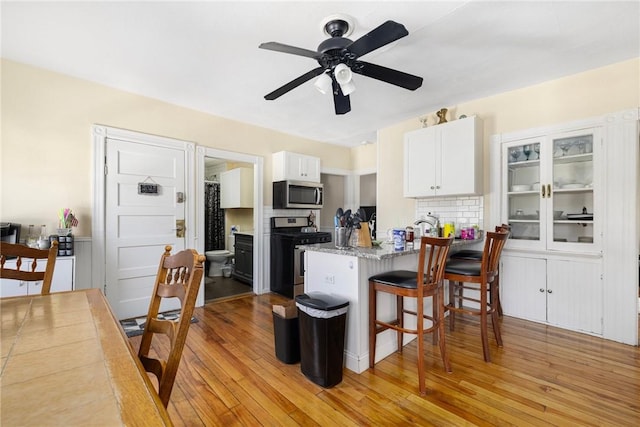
362, 214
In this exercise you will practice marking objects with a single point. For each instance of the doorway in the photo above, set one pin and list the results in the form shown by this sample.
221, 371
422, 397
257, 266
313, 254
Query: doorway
224, 217
142, 203
211, 164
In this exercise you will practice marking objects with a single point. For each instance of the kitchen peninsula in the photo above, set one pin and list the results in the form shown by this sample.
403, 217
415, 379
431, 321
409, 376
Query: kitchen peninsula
345, 272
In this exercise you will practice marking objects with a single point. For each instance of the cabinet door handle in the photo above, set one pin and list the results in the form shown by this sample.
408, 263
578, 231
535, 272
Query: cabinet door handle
549, 190
433, 188
544, 191
541, 290
549, 291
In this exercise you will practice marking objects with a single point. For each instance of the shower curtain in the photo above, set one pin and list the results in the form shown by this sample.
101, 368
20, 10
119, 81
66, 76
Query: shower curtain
213, 218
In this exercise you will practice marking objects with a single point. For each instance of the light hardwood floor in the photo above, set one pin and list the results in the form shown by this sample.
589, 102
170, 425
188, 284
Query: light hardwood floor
230, 376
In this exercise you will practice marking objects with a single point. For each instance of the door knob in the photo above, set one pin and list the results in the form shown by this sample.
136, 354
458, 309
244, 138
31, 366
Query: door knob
180, 228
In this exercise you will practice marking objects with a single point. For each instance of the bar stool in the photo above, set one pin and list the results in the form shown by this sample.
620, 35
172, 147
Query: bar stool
428, 281
474, 255
478, 276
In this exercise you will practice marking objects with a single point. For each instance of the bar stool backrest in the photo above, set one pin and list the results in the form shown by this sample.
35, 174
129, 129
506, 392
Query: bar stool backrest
493, 245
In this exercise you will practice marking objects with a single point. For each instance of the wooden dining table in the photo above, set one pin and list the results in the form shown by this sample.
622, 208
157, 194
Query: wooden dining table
67, 361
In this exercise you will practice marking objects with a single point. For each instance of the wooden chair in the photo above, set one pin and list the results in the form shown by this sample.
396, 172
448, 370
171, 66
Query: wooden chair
179, 276
31, 256
474, 255
426, 282
481, 277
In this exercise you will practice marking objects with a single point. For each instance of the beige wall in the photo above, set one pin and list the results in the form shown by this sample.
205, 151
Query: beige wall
364, 158
593, 93
46, 147
46, 151
333, 199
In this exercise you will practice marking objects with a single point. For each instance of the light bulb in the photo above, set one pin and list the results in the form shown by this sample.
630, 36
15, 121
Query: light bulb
323, 83
344, 76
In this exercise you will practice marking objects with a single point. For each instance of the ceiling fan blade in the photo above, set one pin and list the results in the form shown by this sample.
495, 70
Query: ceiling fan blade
341, 102
294, 84
279, 47
384, 34
388, 75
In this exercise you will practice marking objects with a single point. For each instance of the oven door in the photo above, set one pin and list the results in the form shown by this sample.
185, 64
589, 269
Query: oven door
298, 266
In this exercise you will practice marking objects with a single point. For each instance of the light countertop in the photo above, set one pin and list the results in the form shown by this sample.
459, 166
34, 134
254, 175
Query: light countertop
384, 251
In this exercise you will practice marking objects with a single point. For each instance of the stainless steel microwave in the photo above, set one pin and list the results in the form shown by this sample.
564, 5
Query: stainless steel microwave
297, 195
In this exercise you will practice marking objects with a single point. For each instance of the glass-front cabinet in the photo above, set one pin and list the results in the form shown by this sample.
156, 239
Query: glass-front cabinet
550, 192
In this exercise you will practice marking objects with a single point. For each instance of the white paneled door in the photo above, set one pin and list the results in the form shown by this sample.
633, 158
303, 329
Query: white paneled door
144, 212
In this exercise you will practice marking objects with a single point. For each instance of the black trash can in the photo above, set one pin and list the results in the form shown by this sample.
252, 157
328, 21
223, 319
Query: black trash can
286, 333
322, 320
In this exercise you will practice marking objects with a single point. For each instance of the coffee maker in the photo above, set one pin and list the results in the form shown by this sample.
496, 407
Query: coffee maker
10, 232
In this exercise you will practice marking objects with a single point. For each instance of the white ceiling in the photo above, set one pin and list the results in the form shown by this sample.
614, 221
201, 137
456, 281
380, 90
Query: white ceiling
205, 56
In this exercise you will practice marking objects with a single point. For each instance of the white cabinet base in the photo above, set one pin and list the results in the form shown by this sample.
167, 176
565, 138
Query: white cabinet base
63, 279
560, 291
348, 277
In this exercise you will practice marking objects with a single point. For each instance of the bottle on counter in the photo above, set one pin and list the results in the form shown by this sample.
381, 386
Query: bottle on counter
409, 236
32, 239
449, 229
462, 225
43, 239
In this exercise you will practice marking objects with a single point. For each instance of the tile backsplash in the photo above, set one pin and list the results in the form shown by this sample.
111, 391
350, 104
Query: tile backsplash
457, 209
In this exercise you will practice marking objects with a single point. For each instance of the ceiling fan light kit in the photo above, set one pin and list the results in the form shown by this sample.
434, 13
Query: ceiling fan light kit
323, 83
344, 77
338, 60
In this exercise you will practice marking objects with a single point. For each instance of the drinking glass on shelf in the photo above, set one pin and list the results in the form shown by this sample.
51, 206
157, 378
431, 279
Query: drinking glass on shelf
515, 152
582, 145
526, 150
536, 148
564, 146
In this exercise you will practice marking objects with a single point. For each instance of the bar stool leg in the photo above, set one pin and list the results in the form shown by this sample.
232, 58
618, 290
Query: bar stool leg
400, 317
452, 303
438, 300
483, 322
372, 325
420, 334
495, 305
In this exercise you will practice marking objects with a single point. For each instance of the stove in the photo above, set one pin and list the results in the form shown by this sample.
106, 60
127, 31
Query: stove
287, 259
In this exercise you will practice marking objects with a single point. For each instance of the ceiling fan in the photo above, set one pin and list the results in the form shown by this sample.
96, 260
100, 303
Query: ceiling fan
338, 58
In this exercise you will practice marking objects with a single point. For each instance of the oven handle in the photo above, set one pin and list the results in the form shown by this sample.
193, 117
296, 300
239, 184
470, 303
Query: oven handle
298, 274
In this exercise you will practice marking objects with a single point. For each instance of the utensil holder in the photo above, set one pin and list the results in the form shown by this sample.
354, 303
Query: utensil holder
364, 237
64, 232
342, 237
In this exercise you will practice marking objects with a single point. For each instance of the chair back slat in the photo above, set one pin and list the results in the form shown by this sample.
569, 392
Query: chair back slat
179, 276
431, 267
30, 258
493, 245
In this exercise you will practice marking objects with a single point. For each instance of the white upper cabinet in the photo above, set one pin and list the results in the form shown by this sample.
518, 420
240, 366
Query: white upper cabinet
444, 160
236, 188
295, 167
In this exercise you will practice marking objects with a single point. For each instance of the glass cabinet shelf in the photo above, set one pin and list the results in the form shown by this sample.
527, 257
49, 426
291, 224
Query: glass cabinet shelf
573, 158
524, 164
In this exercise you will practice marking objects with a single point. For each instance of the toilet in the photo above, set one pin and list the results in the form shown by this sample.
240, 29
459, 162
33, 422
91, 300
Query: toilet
216, 260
